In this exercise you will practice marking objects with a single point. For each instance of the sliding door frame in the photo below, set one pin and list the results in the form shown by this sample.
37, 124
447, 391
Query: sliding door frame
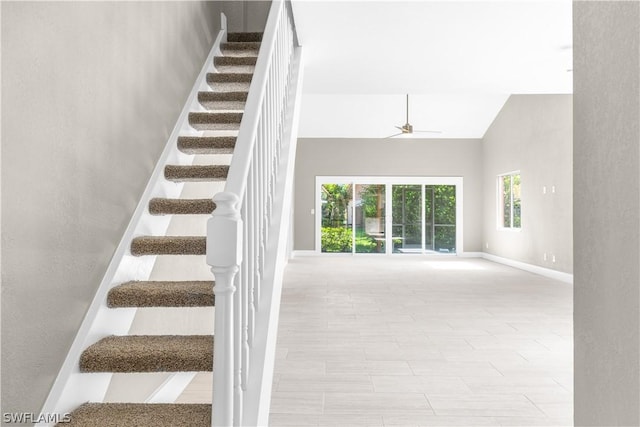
389, 181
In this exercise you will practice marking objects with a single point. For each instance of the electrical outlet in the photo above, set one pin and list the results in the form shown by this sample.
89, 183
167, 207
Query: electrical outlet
544, 256
313, 211
486, 245
553, 258
544, 189
553, 188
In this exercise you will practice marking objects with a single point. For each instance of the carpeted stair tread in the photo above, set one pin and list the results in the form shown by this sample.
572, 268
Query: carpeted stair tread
184, 173
160, 206
244, 37
229, 61
229, 77
206, 120
149, 353
223, 100
240, 48
206, 144
140, 415
169, 245
162, 294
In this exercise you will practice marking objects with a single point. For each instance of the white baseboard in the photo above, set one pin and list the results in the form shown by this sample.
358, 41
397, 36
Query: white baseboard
547, 272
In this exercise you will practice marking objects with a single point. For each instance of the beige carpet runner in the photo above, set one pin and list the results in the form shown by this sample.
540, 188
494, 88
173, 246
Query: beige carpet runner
171, 353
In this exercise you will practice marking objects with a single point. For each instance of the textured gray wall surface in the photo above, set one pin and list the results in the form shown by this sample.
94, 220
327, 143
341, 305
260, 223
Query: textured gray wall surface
90, 93
387, 157
532, 134
606, 206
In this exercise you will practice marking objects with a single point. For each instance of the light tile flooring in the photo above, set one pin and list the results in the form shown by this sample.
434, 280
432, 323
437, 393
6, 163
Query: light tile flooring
444, 341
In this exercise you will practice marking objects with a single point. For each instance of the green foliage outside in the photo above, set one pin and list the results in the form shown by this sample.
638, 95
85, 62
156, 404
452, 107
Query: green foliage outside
336, 239
335, 203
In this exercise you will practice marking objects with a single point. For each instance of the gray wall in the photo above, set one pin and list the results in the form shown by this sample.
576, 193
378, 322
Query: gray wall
245, 15
532, 134
384, 157
607, 206
90, 93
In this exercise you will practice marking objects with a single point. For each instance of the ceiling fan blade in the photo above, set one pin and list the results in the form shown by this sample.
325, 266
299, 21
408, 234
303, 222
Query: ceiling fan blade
397, 134
399, 128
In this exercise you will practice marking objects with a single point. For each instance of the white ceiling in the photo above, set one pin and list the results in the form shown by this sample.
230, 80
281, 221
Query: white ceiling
458, 60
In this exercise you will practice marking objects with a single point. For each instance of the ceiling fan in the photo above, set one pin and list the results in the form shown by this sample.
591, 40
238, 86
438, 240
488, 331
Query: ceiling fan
407, 128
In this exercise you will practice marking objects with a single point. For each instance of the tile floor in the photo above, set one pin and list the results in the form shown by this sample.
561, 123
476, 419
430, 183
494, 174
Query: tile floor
392, 341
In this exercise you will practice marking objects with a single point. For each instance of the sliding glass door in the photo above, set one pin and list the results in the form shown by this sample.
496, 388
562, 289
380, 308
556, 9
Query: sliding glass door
423, 216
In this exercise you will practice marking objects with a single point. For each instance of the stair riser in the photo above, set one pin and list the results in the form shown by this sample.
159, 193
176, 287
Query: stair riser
244, 37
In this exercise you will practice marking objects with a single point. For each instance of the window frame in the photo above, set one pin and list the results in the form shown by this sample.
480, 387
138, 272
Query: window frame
501, 203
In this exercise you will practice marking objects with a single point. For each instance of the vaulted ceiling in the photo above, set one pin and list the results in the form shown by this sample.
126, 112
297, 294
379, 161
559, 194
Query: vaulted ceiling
458, 60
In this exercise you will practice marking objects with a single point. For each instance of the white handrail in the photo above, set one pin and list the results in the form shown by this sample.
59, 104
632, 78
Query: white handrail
245, 234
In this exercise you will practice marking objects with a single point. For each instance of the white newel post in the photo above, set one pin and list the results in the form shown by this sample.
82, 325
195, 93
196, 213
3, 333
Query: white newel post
224, 255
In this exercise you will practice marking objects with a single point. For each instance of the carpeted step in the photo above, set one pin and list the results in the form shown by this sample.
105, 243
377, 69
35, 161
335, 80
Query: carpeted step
213, 78
162, 294
235, 64
184, 173
230, 87
207, 144
169, 245
223, 100
244, 37
205, 120
159, 206
140, 415
149, 353
234, 61
240, 48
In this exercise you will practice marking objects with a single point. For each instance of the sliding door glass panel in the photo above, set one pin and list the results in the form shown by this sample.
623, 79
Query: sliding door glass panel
444, 218
337, 218
407, 218
370, 218
428, 218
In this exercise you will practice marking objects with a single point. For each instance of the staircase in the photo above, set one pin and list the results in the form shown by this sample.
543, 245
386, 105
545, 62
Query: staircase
234, 143
224, 104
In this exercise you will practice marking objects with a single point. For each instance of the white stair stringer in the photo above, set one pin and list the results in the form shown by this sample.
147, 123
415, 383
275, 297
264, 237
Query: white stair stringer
72, 387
